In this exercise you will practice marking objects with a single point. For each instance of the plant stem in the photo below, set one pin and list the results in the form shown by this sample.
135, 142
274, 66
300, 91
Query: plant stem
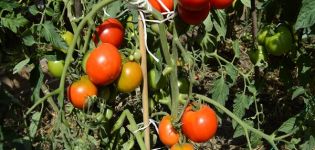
253, 11
269, 138
145, 100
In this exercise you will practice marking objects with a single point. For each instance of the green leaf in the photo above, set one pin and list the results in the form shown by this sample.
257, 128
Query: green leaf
50, 33
33, 10
114, 8
14, 22
8, 5
220, 23
208, 24
236, 48
34, 124
288, 125
220, 91
28, 40
233, 74
246, 3
297, 92
18, 67
239, 131
309, 144
306, 17
241, 103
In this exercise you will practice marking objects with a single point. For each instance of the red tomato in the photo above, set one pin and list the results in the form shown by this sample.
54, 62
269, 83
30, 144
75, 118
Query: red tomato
104, 64
221, 4
200, 125
168, 3
110, 31
167, 133
193, 17
79, 91
130, 77
194, 5
184, 146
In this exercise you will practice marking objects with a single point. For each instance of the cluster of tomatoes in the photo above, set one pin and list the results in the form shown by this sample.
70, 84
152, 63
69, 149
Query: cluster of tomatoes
103, 66
276, 41
198, 123
192, 12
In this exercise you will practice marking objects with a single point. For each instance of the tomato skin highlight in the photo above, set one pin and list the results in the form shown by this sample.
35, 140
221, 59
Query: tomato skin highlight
193, 17
104, 64
194, 5
110, 31
130, 77
168, 3
221, 4
200, 125
167, 133
79, 91
184, 146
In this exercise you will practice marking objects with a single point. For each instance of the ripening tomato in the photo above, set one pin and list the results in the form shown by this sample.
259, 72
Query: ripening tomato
104, 64
194, 5
55, 67
167, 133
184, 146
110, 31
199, 125
79, 91
193, 17
130, 77
168, 3
221, 4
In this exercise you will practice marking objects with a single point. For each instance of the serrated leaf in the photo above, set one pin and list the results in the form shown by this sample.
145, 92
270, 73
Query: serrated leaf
297, 92
309, 144
220, 23
34, 124
220, 91
33, 10
14, 22
28, 40
232, 72
18, 67
8, 5
236, 48
246, 3
241, 103
252, 89
114, 8
306, 17
208, 23
239, 131
50, 34
288, 125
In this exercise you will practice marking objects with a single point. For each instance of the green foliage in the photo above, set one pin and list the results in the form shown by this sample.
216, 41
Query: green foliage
306, 16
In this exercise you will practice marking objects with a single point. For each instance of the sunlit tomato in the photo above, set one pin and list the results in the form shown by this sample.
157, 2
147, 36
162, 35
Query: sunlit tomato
199, 125
130, 77
221, 4
168, 3
194, 5
55, 68
193, 17
110, 31
167, 133
184, 146
104, 64
79, 91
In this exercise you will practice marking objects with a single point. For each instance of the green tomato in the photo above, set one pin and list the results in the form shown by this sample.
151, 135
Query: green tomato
183, 85
129, 24
262, 35
256, 56
156, 82
108, 114
68, 38
155, 28
85, 58
137, 55
55, 68
280, 43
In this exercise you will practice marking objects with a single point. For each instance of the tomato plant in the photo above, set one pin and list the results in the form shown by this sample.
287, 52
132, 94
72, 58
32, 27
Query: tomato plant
85, 58
167, 133
199, 125
256, 56
194, 5
110, 31
221, 4
193, 17
130, 77
103, 66
184, 146
55, 68
168, 3
79, 91
280, 43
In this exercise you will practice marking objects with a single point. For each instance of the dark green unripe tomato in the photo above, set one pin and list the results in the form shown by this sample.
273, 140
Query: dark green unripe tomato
262, 35
258, 55
280, 43
55, 68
